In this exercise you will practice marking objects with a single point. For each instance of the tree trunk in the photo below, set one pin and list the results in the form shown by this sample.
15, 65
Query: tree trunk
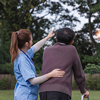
90, 31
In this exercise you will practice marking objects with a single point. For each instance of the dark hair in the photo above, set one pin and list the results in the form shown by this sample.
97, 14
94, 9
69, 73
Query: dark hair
65, 35
18, 39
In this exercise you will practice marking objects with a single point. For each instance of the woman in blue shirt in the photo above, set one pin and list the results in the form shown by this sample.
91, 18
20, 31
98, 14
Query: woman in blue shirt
22, 51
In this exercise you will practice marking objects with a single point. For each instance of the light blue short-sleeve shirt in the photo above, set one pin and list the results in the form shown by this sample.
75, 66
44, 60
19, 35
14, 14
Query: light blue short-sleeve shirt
24, 69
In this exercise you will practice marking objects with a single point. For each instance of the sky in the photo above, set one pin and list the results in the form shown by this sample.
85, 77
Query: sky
83, 20
79, 25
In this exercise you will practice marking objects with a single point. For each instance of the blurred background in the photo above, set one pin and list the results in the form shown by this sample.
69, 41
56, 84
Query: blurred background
40, 17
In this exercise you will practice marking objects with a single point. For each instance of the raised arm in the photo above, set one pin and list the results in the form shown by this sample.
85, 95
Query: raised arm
39, 44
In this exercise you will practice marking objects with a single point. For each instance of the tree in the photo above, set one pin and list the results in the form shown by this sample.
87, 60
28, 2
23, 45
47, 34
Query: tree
13, 16
28, 14
89, 8
88, 48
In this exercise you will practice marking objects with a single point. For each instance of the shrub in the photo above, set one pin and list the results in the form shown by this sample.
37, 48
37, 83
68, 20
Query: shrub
98, 84
74, 85
89, 81
7, 68
93, 82
92, 69
38, 67
13, 83
4, 83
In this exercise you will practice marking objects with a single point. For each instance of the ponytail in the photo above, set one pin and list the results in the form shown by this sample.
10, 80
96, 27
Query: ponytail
18, 40
14, 46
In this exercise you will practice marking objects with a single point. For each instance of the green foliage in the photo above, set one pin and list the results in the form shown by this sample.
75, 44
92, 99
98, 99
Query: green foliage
4, 84
96, 7
13, 82
82, 44
98, 49
38, 61
90, 59
93, 82
24, 18
85, 59
85, 50
74, 85
4, 53
92, 69
98, 83
89, 9
89, 81
27, 14
7, 68
38, 67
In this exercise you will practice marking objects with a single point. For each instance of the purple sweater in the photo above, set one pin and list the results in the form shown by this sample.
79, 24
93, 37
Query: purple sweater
64, 57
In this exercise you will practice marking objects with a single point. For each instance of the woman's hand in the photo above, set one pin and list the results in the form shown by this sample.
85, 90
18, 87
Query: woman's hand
51, 34
55, 73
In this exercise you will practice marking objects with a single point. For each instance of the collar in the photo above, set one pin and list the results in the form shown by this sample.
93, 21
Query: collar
59, 43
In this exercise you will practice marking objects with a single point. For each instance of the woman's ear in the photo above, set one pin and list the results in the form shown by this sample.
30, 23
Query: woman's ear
72, 42
27, 44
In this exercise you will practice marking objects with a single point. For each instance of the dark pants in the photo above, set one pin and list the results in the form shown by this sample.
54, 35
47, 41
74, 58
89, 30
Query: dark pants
53, 95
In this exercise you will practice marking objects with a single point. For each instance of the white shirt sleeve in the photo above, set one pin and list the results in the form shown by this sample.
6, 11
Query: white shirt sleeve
39, 44
38, 80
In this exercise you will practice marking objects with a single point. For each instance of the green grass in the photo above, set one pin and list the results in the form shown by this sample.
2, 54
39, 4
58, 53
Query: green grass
94, 95
76, 95
6, 95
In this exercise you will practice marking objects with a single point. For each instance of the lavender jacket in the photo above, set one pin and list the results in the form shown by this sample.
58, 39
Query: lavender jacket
64, 57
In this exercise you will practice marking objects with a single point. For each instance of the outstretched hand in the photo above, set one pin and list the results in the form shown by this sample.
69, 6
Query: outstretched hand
51, 34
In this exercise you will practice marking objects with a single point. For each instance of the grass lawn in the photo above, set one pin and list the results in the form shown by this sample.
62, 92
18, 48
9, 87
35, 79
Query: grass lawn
76, 95
6, 95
